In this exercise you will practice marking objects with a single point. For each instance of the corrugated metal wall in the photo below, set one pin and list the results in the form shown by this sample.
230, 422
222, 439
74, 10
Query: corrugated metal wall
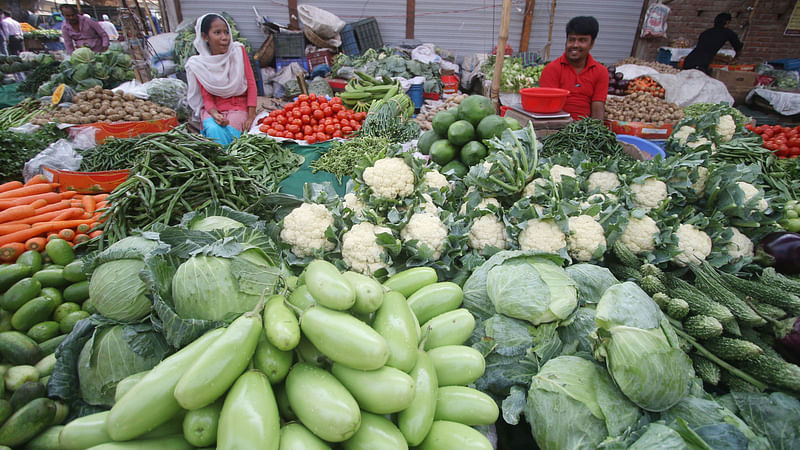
463, 27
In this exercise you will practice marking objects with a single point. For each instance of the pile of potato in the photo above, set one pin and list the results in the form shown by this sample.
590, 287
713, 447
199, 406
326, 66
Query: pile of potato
430, 108
103, 105
643, 107
661, 68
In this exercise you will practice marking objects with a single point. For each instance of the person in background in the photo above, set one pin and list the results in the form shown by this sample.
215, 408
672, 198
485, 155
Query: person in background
79, 31
709, 43
3, 39
109, 28
221, 87
579, 73
13, 34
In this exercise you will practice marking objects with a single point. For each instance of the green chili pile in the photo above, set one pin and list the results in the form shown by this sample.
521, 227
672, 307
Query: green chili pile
589, 136
112, 154
343, 156
264, 159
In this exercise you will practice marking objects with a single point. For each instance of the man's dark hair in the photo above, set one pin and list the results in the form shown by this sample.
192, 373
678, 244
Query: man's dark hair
583, 25
721, 19
68, 6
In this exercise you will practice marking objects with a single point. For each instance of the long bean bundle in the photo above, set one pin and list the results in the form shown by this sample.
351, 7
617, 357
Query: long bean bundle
112, 154
21, 113
389, 118
264, 159
343, 157
590, 136
177, 172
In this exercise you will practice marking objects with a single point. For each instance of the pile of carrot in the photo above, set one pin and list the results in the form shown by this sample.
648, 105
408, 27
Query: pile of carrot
33, 212
646, 84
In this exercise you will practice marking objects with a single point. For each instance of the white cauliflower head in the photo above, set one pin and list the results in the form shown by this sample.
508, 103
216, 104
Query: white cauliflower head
739, 245
487, 231
682, 135
603, 181
530, 188
640, 235
429, 206
304, 229
483, 205
750, 192
542, 235
595, 199
694, 244
699, 185
360, 250
557, 171
649, 194
726, 127
586, 236
702, 140
428, 229
352, 202
390, 178
435, 180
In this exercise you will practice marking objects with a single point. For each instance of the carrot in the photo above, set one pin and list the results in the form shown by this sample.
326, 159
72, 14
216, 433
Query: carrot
10, 185
36, 243
6, 228
76, 203
63, 204
39, 218
66, 234
27, 190
100, 197
48, 197
89, 204
80, 238
84, 227
101, 204
10, 251
94, 234
67, 194
38, 203
37, 180
57, 225
69, 213
52, 235
16, 213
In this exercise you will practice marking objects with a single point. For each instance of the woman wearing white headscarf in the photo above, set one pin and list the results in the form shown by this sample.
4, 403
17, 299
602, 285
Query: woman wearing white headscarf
221, 85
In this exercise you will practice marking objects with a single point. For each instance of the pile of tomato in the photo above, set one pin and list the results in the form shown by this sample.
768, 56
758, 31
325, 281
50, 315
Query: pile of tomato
312, 119
784, 141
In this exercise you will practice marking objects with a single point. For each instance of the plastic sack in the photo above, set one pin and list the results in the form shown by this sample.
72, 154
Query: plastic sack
655, 21
425, 53
59, 155
169, 92
323, 23
692, 86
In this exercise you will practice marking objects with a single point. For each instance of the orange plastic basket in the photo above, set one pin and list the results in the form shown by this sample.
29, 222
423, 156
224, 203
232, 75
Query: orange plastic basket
128, 129
88, 182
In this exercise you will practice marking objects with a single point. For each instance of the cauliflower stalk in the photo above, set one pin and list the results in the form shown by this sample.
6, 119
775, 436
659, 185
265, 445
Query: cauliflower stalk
699, 185
435, 180
650, 194
586, 238
304, 229
640, 235
603, 181
557, 171
428, 229
390, 178
726, 127
751, 192
360, 249
488, 231
739, 245
694, 245
542, 235
530, 188
702, 140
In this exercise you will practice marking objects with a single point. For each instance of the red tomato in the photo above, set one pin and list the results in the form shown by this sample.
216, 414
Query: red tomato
336, 100
329, 129
302, 98
279, 127
322, 137
347, 130
299, 136
306, 110
337, 134
296, 113
306, 118
311, 138
289, 106
312, 97
308, 129
297, 121
318, 114
327, 111
341, 114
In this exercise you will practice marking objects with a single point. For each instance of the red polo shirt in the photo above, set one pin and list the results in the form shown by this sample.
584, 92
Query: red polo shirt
591, 85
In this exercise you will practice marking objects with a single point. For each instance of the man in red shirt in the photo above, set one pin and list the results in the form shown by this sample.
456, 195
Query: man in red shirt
579, 73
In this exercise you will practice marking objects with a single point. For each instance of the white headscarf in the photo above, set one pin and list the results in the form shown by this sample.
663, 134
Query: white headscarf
221, 75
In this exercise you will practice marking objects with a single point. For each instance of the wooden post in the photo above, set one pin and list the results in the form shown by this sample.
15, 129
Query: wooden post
502, 40
749, 21
411, 6
550, 31
178, 12
293, 23
526, 25
637, 37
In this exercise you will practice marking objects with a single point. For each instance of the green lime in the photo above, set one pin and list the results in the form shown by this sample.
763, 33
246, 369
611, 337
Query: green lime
513, 123
442, 121
474, 108
491, 126
460, 132
426, 140
442, 152
457, 167
472, 153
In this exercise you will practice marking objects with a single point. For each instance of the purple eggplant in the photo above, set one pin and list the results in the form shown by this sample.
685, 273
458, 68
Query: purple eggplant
780, 249
612, 69
619, 76
791, 339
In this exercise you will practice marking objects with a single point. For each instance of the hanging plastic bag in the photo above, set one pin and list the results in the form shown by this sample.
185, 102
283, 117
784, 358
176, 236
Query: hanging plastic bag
655, 21
323, 23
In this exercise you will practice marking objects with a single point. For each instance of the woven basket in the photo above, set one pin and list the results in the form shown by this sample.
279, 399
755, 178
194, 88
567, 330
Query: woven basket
316, 40
266, 53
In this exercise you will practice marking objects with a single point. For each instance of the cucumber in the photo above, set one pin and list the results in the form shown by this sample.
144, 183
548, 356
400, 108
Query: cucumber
49, 346
73, 272
88, 306
77, 292
60, 251
51, 278
18, 348
45, 365
34, 311
85, 432
127, 383
5, 410
28, 422
32, 259
68, 323
11, 273
175, 442
48, 440
44, 331
5, 319
54, 294
16, 376
64, 309
19, 294
26, 393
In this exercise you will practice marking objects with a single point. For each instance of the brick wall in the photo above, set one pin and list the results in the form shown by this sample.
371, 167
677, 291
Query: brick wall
764, 42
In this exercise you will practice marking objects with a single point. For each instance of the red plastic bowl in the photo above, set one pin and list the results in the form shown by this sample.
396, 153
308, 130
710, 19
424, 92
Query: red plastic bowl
543, 100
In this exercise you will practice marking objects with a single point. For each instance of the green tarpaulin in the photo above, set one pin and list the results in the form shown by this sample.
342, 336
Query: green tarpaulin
9, 95
293, 184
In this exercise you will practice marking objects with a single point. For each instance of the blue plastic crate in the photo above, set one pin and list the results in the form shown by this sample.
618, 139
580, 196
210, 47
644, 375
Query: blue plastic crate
290, 45
664, 56
786, 63
280, 63
368, 35
349, 44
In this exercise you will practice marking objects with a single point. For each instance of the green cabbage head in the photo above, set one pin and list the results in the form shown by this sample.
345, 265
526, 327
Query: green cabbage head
83, 55
113, 354
117, 291
216, 223
573, 404
641, 349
